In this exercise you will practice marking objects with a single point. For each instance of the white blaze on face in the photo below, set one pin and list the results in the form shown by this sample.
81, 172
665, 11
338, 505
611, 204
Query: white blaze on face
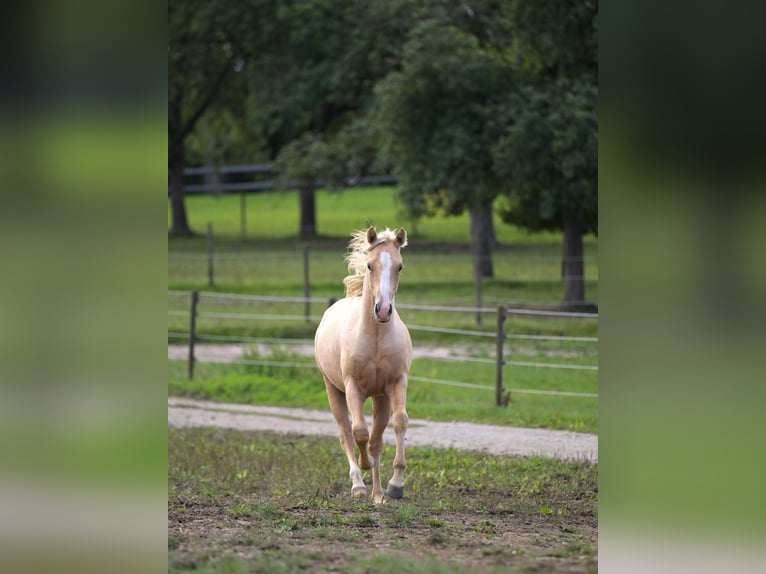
385, 278
383, 305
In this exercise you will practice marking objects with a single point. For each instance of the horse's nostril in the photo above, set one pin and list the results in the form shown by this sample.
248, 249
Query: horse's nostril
390, 309
377, 308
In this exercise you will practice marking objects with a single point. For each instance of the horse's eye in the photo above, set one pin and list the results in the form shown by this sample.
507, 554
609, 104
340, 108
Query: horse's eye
369, 266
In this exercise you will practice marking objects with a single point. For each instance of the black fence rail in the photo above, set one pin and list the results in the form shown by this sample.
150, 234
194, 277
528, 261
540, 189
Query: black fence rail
498, 338
253, 178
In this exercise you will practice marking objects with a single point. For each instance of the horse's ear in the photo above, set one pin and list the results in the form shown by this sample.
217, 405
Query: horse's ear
401, 237
372, 235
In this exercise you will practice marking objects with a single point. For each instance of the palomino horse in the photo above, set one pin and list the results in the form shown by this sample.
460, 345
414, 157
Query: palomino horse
364, 350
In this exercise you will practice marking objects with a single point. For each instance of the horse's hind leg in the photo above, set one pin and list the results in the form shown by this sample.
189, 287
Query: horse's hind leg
381, 413
401, 420
340, 412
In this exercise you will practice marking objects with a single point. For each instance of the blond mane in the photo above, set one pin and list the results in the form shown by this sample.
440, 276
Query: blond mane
358, 248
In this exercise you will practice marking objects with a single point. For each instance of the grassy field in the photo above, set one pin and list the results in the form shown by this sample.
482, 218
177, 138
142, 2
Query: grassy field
303, 387
438, 264
275, 216
438, 270
248, 502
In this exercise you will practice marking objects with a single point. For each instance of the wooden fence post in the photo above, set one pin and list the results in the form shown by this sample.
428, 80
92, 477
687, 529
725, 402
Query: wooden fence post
306, 282
210, 276
192, 331
500, 336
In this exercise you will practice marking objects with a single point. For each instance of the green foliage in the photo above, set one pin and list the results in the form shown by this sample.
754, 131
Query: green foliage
559, 36
207, 47
549, 153
435, 119
308, 158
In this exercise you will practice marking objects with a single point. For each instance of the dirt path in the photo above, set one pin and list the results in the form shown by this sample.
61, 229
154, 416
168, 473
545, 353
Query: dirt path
468, 436
228, 353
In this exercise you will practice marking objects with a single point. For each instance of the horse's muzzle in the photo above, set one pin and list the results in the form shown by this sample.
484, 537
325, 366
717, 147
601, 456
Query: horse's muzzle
383, 315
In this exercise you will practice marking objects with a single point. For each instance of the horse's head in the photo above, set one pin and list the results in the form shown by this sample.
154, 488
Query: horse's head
384, 263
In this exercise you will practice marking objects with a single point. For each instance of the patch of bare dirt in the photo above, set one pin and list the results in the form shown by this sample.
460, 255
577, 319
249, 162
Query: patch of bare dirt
326, 539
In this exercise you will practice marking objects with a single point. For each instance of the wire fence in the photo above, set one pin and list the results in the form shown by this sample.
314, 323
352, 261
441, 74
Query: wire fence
499, 336
539, 274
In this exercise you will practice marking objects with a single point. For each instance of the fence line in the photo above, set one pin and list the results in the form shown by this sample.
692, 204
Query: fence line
272, 340
553, 338
261, 298
500, 255
450, 331
551, 365
556, 393
559, 314
411, 306
412, 378
410, 327
499, 335
460, 359
451, 383
221, 315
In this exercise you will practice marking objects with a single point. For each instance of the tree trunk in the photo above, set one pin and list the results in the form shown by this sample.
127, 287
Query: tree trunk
481, 238
308, 228
572, 262
180, 223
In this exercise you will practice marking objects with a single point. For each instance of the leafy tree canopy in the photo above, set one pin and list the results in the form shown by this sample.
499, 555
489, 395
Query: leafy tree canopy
436, 119
549, 154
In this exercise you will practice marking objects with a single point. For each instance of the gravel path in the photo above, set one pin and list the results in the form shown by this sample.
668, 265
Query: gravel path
467, 436
227, 353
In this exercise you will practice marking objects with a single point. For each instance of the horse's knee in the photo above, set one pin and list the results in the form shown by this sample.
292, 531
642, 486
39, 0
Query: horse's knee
361, 434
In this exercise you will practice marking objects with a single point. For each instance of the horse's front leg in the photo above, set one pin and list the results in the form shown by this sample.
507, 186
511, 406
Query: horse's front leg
381, 413
399, 403
355, 401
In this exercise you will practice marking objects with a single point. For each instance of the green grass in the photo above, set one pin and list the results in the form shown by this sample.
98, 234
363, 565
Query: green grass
437, 261
250, 502
303, 387
275, 216
255, 320
438, 271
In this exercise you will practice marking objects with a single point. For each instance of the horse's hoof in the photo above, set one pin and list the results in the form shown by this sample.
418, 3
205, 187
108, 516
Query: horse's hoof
359, 492
395, 491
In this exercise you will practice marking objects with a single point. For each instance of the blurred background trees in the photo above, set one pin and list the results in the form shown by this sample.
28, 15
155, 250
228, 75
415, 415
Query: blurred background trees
479, 106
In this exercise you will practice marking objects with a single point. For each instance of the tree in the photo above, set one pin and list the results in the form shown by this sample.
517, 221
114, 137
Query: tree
312, 83
549, 157
435, 116
548, 153
205, 51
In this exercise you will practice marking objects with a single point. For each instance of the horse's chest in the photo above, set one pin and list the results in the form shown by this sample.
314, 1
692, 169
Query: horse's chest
374, 369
